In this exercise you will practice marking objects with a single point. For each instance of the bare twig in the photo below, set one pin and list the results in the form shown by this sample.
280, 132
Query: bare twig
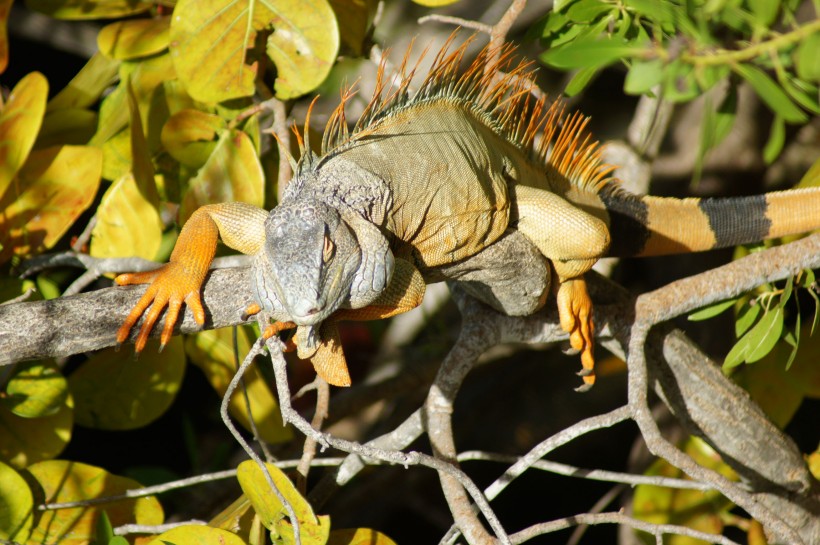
126, 529
280, 129
256, 350
319, 416
247, 399
405, 459
457, 21
85, 236
602, 503
657, 530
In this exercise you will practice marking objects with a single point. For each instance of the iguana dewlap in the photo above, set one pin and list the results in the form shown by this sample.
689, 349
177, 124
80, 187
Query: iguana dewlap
420, 188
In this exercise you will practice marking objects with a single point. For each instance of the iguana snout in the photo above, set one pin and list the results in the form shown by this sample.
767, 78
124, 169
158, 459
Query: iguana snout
313, 256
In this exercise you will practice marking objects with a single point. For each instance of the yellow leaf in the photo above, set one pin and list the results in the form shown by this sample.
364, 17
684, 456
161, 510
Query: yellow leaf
313, 530
210, 40
88, 85
236, 517
355, 21
5, 8
127, 223
114, 392
358, 536
88, 9
64, 481
117, 155
197, 535
212, 351
135, 38
232, 173
74, 126
19, 124
36, 389
56, 185
435, 3
24, 441
190, 136
16, 506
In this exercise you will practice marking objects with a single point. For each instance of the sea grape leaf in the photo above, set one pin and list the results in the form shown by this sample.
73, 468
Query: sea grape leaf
20, 122
35, 389
213, 44
24, 441
113, 392
89, 9
16, 505
64, 481
134, 38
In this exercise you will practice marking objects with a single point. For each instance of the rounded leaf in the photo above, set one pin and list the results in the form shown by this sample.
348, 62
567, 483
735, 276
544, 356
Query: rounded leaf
24, 441
114, 392
358, 536
127, 223
434, 3
212, 351
36, 389
16, 505
20, 122
89, 9
190, 136
210, 40
57, 184
132, 39
73, 126
64, 481
5, 8
265, 501
197, 535
232, 173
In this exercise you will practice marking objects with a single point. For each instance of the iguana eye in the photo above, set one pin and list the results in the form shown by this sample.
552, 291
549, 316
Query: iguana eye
328, 250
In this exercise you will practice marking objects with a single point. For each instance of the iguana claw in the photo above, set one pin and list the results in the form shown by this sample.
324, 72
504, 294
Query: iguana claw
575, 312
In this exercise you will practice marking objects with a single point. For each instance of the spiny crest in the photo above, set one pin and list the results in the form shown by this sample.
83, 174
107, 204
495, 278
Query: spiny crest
494, 88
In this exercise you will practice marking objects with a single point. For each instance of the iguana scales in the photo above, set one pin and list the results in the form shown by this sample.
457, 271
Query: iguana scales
426, 181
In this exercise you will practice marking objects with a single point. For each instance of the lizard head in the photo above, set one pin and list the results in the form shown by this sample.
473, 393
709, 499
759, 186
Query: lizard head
313, 256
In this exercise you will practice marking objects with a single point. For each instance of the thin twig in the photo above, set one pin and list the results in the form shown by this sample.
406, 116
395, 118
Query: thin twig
582, 473
85, 236
319, 416
405, 459
126, 529
457, 21
602, 503
616, 518
20, 298
256, 350
280, 129
247, 398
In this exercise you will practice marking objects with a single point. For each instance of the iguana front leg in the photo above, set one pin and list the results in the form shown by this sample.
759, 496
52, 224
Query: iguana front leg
573, 241
180, 280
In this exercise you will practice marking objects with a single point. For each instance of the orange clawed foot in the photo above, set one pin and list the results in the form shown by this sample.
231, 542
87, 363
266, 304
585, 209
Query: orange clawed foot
170, 286
575, 312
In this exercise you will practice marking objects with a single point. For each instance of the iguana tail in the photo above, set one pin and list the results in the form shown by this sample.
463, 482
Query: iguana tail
646, 226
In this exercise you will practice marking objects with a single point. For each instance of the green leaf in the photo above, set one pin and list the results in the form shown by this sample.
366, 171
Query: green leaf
777, 138
36, 389
142, 166
211, 42
747, 317
72, 126
64, 481
114, 393
580, 80
643, 75
807, 60
771, 93
590, 54
711, 311
20, 122
586, 11
764, 11
134, 38
660, 12
105, 532
680, 83
89, 9
16, 506
765, 334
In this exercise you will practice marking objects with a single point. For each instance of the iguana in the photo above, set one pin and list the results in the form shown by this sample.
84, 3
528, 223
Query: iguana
420, 187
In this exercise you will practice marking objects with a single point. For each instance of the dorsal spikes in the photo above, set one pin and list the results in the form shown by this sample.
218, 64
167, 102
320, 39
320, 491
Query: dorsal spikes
494, 88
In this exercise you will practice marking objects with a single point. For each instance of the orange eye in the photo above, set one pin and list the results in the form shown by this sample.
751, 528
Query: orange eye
328, 250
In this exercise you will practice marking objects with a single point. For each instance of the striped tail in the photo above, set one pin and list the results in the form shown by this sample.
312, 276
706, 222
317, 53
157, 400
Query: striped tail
646, 226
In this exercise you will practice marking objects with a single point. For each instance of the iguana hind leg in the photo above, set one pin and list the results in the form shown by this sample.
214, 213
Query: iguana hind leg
573, 241
180, 280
